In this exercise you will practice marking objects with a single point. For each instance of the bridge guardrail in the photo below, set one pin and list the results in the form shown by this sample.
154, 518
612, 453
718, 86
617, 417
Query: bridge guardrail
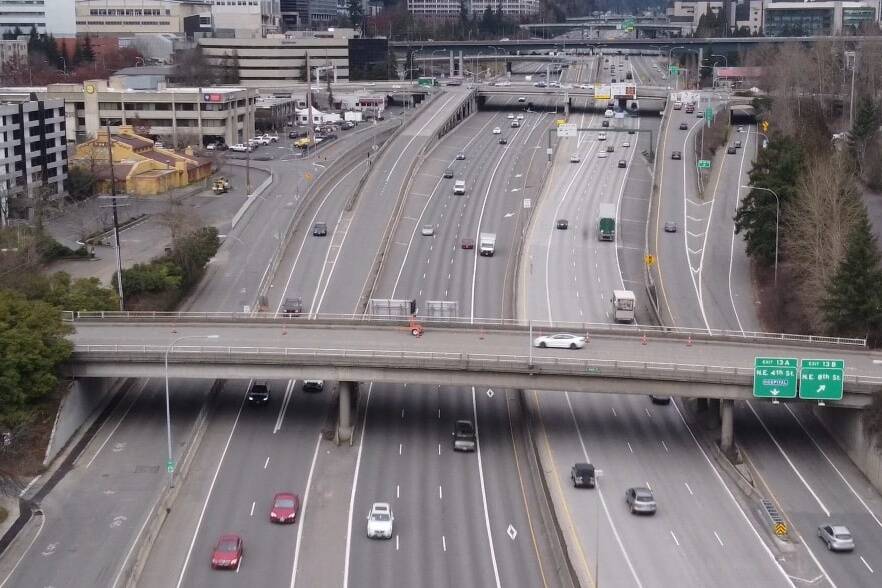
539, 327
439, 360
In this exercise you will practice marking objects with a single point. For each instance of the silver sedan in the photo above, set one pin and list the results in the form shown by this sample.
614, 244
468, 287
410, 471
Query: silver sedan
563, 340
837, 537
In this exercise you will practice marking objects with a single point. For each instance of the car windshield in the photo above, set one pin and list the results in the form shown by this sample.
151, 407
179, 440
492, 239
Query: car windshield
285, 503
226, 546
379, 517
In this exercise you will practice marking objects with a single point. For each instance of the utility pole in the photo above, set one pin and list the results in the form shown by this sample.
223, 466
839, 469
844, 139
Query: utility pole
119, 275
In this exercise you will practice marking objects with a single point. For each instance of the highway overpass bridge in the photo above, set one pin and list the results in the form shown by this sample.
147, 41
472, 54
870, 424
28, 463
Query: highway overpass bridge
648, 46
617, 359
648, 98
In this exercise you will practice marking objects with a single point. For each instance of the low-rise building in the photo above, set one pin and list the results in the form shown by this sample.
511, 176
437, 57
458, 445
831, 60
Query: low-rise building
275, 112
33, 156
178, 116
49, 17
453, 8
281, 60
136, 166
246, 18
13, 53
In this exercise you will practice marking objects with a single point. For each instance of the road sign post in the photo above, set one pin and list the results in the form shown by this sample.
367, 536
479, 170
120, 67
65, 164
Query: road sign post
170, 465
775, 377
821, 379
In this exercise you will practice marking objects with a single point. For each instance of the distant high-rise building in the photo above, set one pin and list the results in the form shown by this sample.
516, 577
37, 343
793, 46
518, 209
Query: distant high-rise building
54, 17
446, 8
308, 14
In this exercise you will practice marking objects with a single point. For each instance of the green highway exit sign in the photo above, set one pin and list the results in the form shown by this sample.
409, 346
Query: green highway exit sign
775, 377
704, 164
673, 70
821, 379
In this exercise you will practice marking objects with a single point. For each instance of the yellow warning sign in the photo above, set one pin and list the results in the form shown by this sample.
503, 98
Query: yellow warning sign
780, 529
650, 260
307, 176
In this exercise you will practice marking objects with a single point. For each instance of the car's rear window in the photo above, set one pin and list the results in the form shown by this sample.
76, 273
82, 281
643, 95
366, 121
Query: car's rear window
843, 536
380, 517
285, 503
227, 546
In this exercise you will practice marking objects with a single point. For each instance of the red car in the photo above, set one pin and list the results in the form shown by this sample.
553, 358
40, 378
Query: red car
228, 552
285, 507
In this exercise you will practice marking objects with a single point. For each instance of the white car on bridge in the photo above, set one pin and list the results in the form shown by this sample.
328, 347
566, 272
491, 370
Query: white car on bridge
563, 340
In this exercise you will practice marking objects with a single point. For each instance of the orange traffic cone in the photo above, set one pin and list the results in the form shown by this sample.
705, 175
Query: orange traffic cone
643, 340
689, 342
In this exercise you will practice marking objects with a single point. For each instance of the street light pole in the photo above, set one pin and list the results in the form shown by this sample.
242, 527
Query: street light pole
777, 219
170, 465
851, 56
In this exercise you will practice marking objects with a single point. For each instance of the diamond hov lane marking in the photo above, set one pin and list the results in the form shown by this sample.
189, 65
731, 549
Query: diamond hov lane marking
512, 532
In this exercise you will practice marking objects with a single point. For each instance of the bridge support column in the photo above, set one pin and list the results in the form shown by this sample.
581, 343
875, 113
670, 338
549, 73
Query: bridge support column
461, 65
727, 432
347, 399
712, 418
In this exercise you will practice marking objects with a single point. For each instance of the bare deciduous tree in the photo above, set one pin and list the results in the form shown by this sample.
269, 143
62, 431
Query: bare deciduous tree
817, 225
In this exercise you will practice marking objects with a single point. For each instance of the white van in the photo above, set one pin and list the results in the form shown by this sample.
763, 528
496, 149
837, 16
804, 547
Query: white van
459, 187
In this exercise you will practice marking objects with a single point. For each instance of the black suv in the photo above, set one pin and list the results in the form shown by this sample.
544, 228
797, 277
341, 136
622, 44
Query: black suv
464, 438
582, 475
319, 229
259, 393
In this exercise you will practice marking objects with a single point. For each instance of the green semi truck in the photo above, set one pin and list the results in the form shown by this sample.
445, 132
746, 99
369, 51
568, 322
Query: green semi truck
606, 222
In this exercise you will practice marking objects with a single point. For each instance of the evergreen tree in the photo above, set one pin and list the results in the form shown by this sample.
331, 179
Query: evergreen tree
777, 168
866, 127
853, 305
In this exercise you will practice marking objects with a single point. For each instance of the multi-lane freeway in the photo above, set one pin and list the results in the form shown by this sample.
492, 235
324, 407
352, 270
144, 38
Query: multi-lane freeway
469, 519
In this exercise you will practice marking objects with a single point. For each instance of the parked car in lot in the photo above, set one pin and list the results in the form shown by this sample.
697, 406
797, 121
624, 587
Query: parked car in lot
227, 552
836, 537
561, 340
380, 521
270, 138
284, 508
240, 148
640, 500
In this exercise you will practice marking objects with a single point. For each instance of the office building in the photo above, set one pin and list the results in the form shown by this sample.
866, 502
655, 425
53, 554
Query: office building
54, 17
282, 60
825, 17
308, 14
33, 156
175, 116
452, 8
246, 18
13, 53
128, 17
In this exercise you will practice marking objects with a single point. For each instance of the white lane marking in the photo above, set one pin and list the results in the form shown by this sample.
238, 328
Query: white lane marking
440, 493
691, 493
400, 448
266, 463
731, 496
602, 499
720, 541
253, 503
665, 446
439, 449
675, 538
478, 134
210, 490
615, 415
396, 542
788, 460
483, 492
835, 469
631, 449
649, 414
397, 490
289, 390
732, 243
121, 419
367, 403
402, 414
303, 506
30, 545
444, 542
308, 235
868, 565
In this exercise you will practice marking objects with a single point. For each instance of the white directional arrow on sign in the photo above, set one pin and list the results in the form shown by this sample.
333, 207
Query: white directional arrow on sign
822, 387
775, 391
